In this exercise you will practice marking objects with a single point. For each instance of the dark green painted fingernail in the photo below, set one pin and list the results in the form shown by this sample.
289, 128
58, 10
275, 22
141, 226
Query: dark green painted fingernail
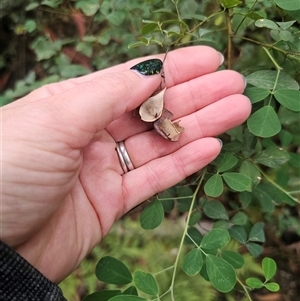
149, 67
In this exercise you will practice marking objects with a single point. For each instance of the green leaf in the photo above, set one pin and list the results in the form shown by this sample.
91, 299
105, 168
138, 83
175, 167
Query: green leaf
215, 239
73, 70
273, 157
116, 18
148, 28
288, 4
266, 23
236, 181
286, 138
269, 267
254, 282
214, 186
52, 3
103, 295
195, 235
264, 122
233, 258
254, 248
145, 282
228, 160
266, 78
152, 216
249, 143
195, 217
239, 218
230, 3
249, 169
215, 209
238, 233
112, 270
131, 290
289, 99
192, 262
268, 195
127, 298
45, 49
256, 94
272, 286
286, 25
89, 8
220, 273
257, 232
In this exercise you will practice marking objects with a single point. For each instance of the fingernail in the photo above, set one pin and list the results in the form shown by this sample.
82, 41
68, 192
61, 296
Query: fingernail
221, 142
221, 58
149, 67
245, 81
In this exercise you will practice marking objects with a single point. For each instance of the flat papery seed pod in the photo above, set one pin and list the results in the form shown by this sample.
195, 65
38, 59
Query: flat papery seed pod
151, 109
166, 128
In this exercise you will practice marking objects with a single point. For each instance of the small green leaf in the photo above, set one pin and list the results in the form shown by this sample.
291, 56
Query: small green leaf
112, 270
52, 3
272, 286
228, 161
249, 169
286, 138
230, 3
269, 268
220, 273
214, 186
286, 25
45, 49
257, 232
195, 235
289, 99
288, 5
195, 217
103, 295
254, 282
89, 8
238, 233
236, 181
215, 239
215, 209
266, 78
268, 195
266, 23
131, 290
256, 94
192, 262
148, 28
127, 298
233, 258
273, 157
116, 18
264, 122
239, 218
152, 216
145, 282
254, 248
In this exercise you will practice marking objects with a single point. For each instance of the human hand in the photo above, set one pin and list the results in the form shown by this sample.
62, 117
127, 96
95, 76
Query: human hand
62, 183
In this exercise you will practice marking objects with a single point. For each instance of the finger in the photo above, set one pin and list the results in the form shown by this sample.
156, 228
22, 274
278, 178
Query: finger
208, 122
180, 65
164, 172
185, 98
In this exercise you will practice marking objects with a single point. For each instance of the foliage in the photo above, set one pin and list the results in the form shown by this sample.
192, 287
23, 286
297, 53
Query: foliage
255, 180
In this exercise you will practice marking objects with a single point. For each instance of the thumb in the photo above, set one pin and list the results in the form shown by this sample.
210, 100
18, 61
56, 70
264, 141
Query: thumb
90, 106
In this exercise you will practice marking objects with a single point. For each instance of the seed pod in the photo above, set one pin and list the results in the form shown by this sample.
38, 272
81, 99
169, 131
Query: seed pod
151, 109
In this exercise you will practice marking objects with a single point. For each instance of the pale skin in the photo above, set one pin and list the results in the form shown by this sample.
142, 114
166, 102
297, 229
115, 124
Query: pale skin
62, 183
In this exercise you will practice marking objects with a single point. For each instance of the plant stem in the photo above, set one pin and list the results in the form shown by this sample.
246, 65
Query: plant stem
276, 185
229, 40
245, 289
244, 18
184, 234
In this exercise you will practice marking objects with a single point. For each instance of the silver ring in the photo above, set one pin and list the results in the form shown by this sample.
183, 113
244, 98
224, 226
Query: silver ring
124, 158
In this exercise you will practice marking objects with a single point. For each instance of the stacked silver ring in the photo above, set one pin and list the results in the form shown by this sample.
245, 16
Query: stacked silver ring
124, 158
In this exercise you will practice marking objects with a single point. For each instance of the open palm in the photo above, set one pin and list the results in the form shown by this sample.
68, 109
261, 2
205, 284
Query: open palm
63, 186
